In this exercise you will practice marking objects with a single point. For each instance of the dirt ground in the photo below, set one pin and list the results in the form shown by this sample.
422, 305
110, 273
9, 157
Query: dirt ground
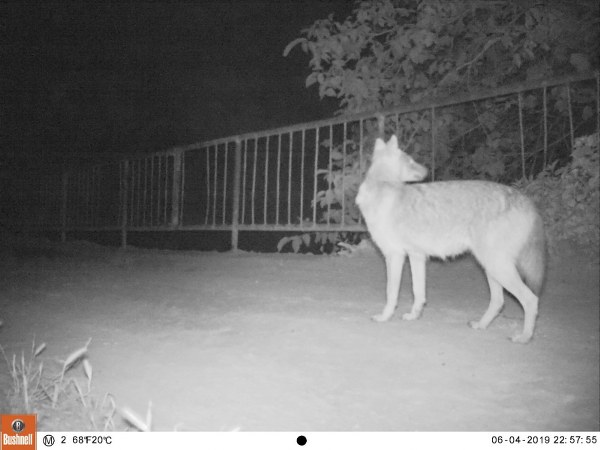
280, 342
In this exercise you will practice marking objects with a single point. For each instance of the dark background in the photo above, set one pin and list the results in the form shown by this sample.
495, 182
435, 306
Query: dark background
95, 79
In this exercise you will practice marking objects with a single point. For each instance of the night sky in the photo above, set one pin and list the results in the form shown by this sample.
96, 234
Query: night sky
87, 78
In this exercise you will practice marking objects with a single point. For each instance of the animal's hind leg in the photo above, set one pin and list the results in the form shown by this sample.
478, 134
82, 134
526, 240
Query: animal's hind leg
508, 276
496, 303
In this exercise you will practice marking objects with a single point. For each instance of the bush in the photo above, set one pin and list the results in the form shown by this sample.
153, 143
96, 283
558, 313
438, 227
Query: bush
568, 197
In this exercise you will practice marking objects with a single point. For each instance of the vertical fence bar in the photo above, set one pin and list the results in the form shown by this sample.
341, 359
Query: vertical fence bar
207, 185
360, 156
303, 142
166, 189
63, 206
81, 214
278, 176
74, 200
138, 204
145, 197
158, 189
151, 203
85, 197
134, 186
225, 184
90, 194
244, 181
155, 190
598, 103
133, 189
571, 129
124, 198
520, 97
545, 105
343, 191
289, 200
267, 140
142, 191
74, 207
85, 200
235, 207
176, 188
330, 173
78, 195
130, 187
82, 198
254, 177
433, 143
182, 189
214, 211
314, 221
96, 192
96, 195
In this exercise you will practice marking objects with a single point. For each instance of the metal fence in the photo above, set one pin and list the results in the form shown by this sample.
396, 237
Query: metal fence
285, 179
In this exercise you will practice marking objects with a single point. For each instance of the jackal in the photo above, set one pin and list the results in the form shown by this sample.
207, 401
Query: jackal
497, 224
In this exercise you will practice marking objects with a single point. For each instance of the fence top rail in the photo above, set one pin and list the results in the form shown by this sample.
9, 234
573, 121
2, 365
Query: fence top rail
432, 103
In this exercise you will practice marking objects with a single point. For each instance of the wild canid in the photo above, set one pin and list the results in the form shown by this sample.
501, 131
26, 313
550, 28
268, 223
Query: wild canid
499, 225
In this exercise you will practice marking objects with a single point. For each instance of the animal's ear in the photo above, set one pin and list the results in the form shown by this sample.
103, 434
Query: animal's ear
379, 145
393, 142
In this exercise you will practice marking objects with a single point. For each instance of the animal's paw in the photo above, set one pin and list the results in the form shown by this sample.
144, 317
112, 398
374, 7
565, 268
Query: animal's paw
411, 315
381, 317
521, 338
476, 325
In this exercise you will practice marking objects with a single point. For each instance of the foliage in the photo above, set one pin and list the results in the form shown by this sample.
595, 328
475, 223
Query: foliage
319, 242
393, 52
569, 196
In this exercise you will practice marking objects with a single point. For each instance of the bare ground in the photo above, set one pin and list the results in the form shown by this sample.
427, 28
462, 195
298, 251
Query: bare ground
280, 342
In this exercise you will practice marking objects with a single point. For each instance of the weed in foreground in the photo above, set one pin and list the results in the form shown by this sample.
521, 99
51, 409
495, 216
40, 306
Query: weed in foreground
62, 398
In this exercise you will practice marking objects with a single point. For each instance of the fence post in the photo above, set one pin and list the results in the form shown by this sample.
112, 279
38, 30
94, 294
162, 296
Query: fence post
124, 201
63, 206
433, 143
235, 213
381, 125
176, 188
522, 134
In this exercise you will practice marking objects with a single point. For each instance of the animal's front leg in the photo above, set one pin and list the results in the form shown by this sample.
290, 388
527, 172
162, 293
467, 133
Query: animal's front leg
393, 263
417, 268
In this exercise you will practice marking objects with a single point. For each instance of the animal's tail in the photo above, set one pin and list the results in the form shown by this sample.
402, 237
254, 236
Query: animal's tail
531, 262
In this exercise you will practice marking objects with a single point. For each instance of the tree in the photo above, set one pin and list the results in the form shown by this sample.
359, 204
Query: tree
393, 52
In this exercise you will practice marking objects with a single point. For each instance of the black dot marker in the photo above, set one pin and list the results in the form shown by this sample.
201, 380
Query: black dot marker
301, 440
